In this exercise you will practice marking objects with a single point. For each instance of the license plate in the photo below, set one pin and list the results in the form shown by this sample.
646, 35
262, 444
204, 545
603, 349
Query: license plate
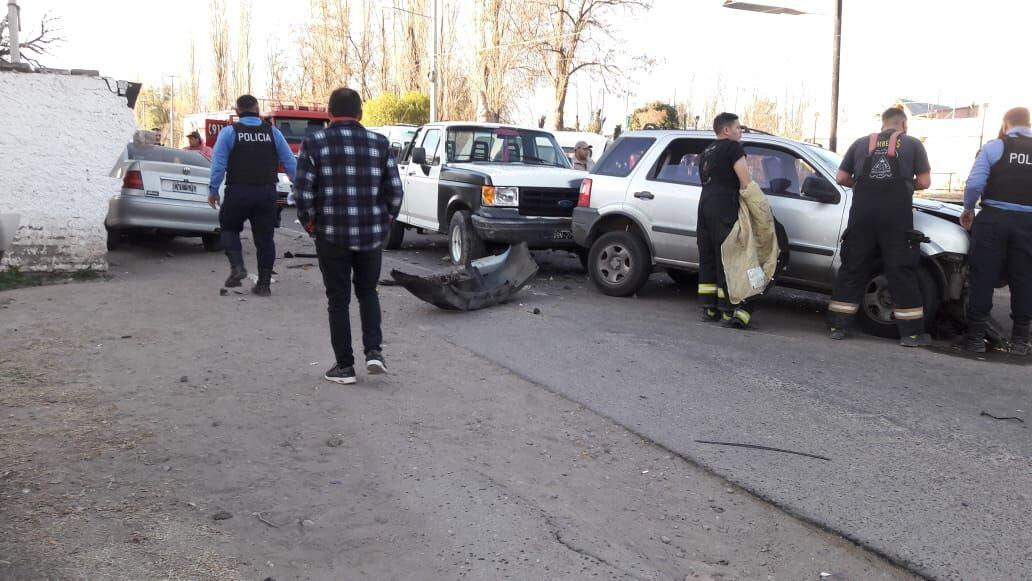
181, 187
562, 235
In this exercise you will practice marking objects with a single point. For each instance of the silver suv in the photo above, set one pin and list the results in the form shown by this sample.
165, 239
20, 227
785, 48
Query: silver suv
637, 212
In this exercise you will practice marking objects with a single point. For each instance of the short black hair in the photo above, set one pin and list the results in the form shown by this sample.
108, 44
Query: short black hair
345, 102
723, 120
155, 129
892, 114
246, 103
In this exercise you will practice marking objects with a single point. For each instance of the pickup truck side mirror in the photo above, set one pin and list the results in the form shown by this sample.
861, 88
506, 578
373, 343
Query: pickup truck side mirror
419, 155
820, 190
396, 150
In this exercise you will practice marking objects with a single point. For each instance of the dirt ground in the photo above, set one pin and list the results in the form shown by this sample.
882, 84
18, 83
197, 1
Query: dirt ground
153, 429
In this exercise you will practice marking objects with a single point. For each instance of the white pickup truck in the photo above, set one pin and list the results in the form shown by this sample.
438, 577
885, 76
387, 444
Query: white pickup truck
487, 184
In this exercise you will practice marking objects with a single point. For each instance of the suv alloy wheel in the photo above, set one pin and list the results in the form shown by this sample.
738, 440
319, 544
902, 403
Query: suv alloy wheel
619, 263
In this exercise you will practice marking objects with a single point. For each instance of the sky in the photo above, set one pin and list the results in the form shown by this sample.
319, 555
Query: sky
926, 50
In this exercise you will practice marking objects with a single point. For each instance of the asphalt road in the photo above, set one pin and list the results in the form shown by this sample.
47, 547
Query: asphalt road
915, 471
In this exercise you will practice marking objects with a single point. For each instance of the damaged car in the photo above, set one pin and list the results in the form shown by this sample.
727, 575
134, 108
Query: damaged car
637, 213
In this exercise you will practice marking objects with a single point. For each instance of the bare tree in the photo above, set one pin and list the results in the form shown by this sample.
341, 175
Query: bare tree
761, 113
323, 44
579, 35
456, 95
363, 49
39, 43
220, 54
188, 94
243, 69
277, 83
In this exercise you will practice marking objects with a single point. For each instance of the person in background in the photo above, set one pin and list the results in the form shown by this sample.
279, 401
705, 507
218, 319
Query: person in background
582, 156
158, 138
247, 155
348, 194
1001, 234
195, 144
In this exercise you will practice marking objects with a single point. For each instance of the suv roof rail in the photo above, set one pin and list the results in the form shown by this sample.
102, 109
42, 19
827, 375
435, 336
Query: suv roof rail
757, 131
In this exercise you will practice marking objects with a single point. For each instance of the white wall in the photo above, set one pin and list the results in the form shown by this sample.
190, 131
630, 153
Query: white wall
60, 135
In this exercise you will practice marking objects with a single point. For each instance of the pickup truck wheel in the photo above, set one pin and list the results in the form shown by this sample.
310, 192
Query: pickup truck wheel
684, 278
396, 236
619, 263
211, 242
463, 243
876, 307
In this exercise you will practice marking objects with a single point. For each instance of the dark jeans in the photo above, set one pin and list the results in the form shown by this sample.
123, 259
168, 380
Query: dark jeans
337, 264
256, 204
1001, 243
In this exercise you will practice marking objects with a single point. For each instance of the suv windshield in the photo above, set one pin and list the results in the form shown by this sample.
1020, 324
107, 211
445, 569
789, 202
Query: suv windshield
504, 145
295, 130
829, 159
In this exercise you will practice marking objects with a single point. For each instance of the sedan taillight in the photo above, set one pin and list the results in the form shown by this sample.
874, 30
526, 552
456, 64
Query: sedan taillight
584, 197
133, 180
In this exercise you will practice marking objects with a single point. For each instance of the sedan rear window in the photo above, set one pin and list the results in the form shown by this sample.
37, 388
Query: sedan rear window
167, 155
623, 156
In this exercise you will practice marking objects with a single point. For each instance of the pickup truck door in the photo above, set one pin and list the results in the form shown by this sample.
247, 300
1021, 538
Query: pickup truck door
421, 191
667, 190
813, 227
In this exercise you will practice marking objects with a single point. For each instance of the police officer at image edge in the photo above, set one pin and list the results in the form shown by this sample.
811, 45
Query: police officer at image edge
247, 154
1001, 233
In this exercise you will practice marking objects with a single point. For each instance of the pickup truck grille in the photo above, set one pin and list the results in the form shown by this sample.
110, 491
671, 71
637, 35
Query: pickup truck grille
548, 202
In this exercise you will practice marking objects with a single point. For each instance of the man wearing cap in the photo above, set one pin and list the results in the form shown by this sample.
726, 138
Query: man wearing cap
582, 156
197, 145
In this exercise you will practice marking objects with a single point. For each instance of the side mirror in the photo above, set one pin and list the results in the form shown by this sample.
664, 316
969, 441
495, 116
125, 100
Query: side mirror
419, 155
821, 190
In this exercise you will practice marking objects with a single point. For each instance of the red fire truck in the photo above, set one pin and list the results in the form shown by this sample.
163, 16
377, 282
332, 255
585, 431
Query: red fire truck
294, 122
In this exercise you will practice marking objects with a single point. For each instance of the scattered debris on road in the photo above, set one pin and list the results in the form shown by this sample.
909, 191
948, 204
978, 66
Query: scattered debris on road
222, 515
759, 447
262, 518
987, 414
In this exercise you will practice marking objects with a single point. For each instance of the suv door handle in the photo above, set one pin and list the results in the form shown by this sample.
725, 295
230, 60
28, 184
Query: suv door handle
644, 195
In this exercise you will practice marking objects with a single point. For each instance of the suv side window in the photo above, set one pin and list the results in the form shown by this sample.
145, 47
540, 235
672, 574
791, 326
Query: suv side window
778, 172
620, 159
430, 142
679, 163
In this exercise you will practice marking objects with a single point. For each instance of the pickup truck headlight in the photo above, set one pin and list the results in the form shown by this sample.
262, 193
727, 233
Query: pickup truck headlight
500, 197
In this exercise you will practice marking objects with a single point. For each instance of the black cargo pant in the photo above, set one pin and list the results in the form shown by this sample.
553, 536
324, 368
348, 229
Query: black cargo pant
1001, 243
256, 204
340, 268
717, 215
877, 229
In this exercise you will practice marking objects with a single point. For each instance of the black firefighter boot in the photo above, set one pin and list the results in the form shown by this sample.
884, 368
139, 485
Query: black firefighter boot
261, 288
237, 272
974, 340
1019, 343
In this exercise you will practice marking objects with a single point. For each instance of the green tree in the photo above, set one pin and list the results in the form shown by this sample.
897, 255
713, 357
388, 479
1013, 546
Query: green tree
153, 108
655, 115
389, 109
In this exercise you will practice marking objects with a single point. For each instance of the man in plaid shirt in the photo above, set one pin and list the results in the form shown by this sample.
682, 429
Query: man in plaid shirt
348, 194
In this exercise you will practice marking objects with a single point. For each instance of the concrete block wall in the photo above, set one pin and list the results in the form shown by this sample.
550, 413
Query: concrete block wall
60, 135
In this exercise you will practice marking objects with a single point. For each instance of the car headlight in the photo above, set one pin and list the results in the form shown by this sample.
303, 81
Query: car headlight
500, 196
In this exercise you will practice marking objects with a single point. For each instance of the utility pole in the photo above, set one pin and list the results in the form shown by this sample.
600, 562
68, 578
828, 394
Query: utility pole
433, 61
836, 54
13, 27
171, 110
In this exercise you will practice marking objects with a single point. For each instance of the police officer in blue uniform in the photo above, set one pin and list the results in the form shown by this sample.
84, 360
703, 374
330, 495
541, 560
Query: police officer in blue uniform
1001, 234
247, 154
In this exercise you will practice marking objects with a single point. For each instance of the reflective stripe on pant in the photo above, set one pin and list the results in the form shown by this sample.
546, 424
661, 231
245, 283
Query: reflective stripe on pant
713, 228
874, 234
1001, 243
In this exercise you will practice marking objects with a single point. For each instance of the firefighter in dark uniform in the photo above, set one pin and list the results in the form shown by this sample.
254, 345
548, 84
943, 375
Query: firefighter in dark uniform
883, 170
1001, 234
247, 154
724, 171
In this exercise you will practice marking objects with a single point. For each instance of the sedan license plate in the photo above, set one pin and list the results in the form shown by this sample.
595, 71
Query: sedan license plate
180, 187
562, 235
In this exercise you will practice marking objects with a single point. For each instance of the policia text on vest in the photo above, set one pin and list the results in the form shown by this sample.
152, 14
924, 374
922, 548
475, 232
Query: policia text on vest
247, 155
